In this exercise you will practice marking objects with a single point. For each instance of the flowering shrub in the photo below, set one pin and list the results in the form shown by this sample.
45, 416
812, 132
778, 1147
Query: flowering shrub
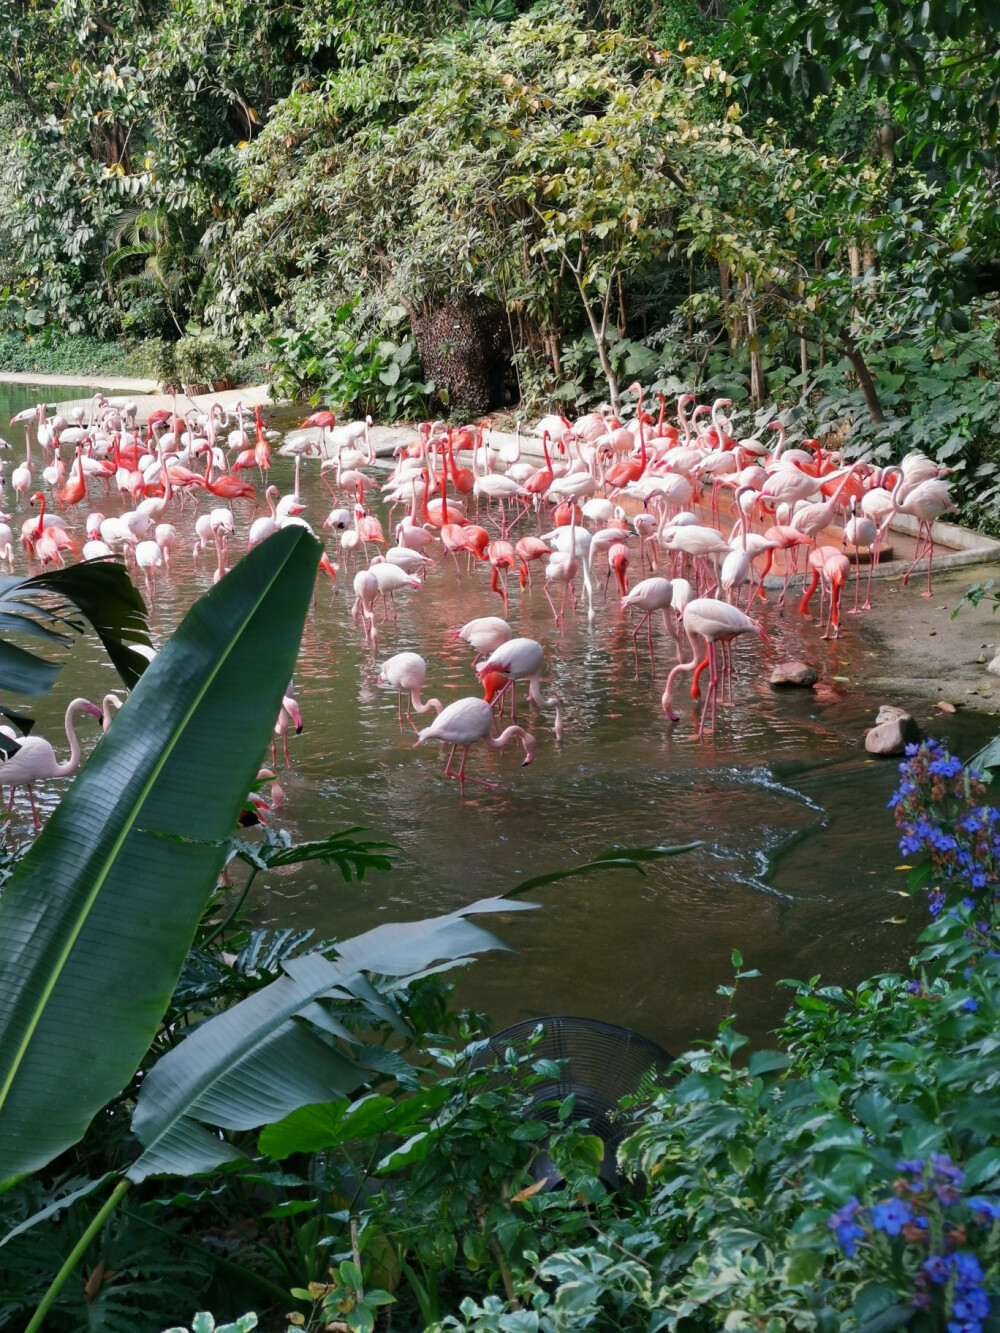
927, 1231
940, 812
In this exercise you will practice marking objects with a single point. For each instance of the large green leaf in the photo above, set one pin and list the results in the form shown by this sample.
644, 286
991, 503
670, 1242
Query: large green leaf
49, 606
271, 1053
97, 920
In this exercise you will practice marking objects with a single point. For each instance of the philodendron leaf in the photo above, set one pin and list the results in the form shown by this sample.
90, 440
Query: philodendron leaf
97, 919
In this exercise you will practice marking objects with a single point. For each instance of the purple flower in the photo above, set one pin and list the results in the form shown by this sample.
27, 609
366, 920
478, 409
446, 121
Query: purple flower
970, 1005
936, 1268
985, 1208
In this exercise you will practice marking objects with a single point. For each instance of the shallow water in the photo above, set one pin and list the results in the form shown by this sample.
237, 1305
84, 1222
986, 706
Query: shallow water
15, 398
797, 864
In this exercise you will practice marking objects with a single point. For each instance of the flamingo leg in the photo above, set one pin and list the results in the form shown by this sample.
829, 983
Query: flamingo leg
635, 642
855, 609
34, 812
284, 746
867, 604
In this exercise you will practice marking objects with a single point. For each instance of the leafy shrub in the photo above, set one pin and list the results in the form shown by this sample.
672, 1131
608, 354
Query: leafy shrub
327, 357
51, 352
201, 358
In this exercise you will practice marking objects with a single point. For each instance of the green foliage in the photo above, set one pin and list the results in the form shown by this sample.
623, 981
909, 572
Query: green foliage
177, 799
203, 1322
201, 358
327, 356
51, 352
344, 1298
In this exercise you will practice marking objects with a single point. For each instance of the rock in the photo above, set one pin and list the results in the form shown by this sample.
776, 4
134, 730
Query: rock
893, 731
794, 673
994, 666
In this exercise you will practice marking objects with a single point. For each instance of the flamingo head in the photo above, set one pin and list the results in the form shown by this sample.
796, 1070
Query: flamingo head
492, 682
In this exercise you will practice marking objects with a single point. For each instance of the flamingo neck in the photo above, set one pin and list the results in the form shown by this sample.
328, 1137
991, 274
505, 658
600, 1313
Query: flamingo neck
73, 762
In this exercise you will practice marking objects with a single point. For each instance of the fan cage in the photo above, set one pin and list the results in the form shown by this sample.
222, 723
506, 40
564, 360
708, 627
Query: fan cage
602, 1063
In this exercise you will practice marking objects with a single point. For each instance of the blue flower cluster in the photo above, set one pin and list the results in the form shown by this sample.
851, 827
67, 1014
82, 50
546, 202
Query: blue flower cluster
925, 1186
939, 811
969, 1304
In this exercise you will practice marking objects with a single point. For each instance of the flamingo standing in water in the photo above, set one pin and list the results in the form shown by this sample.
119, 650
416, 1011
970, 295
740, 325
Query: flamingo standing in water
289, 716
407, 672
36, 760
651, 595
485, 634
716, 623
464, 723
830, 569
521, 659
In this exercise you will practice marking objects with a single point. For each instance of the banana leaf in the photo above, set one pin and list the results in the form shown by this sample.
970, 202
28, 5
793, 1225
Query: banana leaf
96, 921
53, 607
270, 1054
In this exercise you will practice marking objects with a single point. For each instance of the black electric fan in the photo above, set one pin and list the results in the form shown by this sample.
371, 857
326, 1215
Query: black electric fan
600, 1064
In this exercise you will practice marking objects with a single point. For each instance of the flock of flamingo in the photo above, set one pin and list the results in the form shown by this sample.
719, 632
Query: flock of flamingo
641, 501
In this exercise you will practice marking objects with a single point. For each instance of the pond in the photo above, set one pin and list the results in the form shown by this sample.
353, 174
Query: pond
15, 397
796, 870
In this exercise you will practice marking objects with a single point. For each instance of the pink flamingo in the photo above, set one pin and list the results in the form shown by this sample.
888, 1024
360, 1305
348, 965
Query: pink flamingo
521, 659
860, 531
830, 569
926, 502
485, 634
289, 716
716, 623
464, 723
407, 672
36, 760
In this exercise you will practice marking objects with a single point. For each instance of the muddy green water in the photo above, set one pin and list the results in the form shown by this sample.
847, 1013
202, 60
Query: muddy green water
797, 870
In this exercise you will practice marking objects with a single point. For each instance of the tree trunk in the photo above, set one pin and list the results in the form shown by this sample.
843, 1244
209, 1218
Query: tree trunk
804, 356
864, 376
758, 389
599, 331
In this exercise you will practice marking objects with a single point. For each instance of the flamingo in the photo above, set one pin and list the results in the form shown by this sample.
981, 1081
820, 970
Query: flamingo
651, 595
860, 531
267, 524
407, 673
36, 760
149, 559
288, 716
715, 622
521, 659
830, 569
926, 503
464, 723
618, 561
366, 589
485, 634
561, 568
